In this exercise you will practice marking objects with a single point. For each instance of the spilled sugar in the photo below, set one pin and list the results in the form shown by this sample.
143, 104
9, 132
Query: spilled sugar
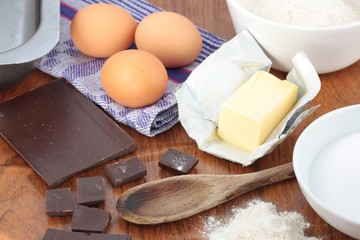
259, 220
319, 13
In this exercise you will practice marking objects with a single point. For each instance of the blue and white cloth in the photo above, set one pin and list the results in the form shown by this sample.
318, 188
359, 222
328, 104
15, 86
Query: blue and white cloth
83, 72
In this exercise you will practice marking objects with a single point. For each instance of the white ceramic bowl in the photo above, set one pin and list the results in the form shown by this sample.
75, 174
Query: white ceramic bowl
328, 48
328, 172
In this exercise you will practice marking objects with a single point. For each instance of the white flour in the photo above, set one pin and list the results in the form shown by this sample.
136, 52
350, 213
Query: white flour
319, 13
259, 220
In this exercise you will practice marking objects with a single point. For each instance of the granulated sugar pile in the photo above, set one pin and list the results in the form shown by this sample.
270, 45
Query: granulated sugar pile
259, 220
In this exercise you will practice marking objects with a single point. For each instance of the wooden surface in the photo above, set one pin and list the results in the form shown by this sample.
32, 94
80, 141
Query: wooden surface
22, 192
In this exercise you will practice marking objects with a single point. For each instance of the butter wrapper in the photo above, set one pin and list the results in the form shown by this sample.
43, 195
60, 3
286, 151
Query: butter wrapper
215, 79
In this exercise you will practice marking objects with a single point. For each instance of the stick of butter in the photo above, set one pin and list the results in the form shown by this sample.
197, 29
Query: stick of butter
250, 114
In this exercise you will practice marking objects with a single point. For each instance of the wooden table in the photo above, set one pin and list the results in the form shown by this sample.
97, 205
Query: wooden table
22, 192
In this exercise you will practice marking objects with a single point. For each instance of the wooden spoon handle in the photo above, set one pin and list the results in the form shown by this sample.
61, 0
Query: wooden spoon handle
247, 182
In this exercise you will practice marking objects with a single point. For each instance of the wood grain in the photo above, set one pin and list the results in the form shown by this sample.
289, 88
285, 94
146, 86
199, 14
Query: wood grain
22, 192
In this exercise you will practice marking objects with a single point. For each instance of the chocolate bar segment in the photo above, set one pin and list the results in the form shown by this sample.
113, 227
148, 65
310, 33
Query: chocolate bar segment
60, 132
177, 162
90, 191
123, 172
55, 234
59, 202
90, 220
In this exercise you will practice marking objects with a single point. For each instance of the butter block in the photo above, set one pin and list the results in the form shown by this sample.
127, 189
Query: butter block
252, 112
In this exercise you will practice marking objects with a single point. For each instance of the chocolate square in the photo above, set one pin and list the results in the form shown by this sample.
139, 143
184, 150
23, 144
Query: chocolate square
90, 191
60, 132
125, 171
59, 202
90, 220
177, 162
55, 234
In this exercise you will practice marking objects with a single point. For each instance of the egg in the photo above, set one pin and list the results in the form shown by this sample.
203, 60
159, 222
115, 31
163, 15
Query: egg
101, 30
170, 36
134, 78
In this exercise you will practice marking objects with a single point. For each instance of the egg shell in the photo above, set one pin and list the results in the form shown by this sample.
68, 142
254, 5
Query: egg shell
134, 78
101, 30
170, 36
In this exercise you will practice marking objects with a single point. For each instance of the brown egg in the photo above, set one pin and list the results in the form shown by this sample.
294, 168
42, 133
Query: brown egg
101, 30
171, 37
134, 78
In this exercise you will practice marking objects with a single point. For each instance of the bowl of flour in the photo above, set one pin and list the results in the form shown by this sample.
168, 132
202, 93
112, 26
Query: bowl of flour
328, 31
326, 161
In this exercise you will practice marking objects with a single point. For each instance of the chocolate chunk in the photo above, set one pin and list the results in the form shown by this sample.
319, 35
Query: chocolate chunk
60, 132
54, 234
90, 220
177, 162
90, 191
59, 202
125, 171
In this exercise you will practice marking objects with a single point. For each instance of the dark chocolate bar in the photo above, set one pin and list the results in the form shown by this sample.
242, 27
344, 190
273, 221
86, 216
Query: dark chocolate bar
177, 162
59, 202
123, 172
60, 132
89, 220
90, 191
55, 234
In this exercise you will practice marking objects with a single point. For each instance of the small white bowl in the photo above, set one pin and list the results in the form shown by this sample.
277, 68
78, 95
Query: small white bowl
328, 171
328, 48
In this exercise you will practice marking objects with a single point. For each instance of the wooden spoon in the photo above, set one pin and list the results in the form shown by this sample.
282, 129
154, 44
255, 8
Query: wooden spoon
179, 197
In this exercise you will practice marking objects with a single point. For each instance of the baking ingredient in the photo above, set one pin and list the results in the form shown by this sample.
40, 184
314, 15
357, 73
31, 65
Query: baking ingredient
177, 162
90, 191
59, 202
259, 220
250, 114
320, 13
52, 234
134, 78
171, 37
59, 132
89, 220
122, 172
101, 30
334, 176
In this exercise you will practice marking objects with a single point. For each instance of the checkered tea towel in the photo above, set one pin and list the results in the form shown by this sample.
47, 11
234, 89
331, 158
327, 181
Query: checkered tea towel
84, 72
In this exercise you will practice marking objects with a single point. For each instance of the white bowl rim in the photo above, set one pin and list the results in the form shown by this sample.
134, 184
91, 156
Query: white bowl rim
345, 26
300, 178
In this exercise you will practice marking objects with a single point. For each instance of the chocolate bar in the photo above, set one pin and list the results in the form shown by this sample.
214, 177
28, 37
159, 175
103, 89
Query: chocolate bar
89, 220
90, 191
60, 132
123, 172
55, 234
59, 202
177, 162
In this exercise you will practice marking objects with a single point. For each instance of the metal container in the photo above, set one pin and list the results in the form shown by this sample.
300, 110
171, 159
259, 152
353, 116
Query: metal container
29, 29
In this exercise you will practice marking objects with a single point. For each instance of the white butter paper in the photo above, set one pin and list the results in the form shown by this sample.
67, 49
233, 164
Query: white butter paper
216, 78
